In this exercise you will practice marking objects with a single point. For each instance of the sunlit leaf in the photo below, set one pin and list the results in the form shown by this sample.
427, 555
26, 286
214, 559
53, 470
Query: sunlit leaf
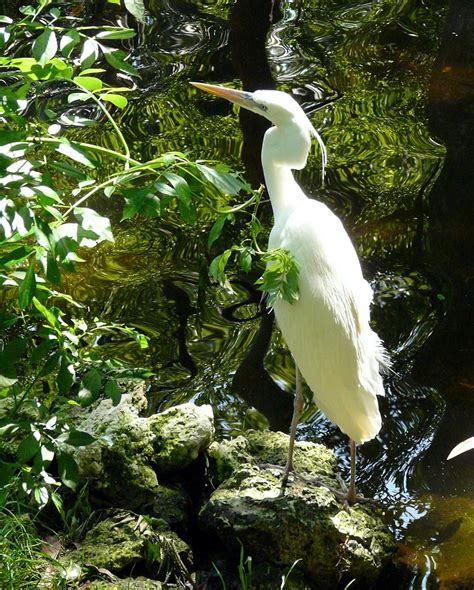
221, 178
46, 313
136, 8
68, 41
90, 83
116, 99
89, 53
91, 221
76, 153
116, 34
116, 58
45, 46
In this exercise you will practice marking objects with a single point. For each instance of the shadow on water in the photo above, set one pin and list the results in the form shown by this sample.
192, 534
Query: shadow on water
392, 114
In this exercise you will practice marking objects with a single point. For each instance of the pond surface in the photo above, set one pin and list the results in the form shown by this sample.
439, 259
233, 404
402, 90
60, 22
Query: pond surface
372, 76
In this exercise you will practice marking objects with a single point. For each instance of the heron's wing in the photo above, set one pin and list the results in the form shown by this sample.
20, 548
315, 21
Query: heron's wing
327, 329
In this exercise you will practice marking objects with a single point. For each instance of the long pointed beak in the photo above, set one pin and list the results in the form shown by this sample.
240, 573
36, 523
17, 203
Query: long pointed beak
240, 97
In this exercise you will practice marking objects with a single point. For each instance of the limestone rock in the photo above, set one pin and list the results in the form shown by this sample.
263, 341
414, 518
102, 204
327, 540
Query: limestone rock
124, 464
180, 433
139, 583
306, 523
120, 542
118, 465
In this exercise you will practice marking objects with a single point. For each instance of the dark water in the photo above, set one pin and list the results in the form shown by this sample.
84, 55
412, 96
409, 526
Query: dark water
372, 76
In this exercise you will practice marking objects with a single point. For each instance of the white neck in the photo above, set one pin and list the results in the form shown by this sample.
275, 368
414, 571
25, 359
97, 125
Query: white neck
283, 189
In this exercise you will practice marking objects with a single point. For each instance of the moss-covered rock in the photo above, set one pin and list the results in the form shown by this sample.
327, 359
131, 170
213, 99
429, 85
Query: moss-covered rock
180, 434
305, 523
124, 541
257, 448
118, 465
139, 583
171, 504
124, 464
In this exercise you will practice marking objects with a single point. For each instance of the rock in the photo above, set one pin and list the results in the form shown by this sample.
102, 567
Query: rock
119, 469
131, 451
139, 583
307, 523
124, 541
258, 448
171, 504
180, 434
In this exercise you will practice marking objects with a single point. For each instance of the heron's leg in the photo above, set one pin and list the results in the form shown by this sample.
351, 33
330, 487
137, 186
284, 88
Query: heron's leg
297, 409
351, 493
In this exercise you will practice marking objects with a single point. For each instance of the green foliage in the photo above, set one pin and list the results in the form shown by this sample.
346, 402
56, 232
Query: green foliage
50, 353
280, 275
19, 549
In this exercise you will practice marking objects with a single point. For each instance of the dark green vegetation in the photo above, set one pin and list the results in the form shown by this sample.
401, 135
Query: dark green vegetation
80, 164
52, 209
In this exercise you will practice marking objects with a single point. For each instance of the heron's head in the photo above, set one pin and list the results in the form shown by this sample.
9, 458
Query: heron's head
279, 108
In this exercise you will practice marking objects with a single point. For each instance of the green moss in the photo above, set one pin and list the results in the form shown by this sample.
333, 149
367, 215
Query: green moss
305, 522
139, 583
180, 434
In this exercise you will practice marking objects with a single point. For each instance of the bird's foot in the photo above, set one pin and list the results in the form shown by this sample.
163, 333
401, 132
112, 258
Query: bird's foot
287, 470
348, 497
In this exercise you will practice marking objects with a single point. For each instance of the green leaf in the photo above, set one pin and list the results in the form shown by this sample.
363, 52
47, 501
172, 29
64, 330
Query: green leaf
116, 33
245, 259
45, 46
68, 470
52, 269
68, 170
280, 279
116, 58
90, 387
113, 391
27, 287
227, 182
15, 256
218, 266
76, 153
116, 99
27, 449
47, 314
91, 221
89, 53
77, 438
136, 8
7, 471
47, 455
68, 41
51, 364
75, 96
142, 201
41, 495
216, 230
42, 350
89, 82
65, 377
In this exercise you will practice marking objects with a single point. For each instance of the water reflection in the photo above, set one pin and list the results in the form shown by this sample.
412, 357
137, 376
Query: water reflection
360, 71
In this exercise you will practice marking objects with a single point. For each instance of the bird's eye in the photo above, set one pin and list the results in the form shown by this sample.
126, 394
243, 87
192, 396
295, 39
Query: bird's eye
263, 107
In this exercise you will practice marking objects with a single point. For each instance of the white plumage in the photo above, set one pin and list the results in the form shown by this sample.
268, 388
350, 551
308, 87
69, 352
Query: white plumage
327, 329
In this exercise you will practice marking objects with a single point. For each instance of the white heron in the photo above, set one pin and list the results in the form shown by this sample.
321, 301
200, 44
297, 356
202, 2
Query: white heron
327, 329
